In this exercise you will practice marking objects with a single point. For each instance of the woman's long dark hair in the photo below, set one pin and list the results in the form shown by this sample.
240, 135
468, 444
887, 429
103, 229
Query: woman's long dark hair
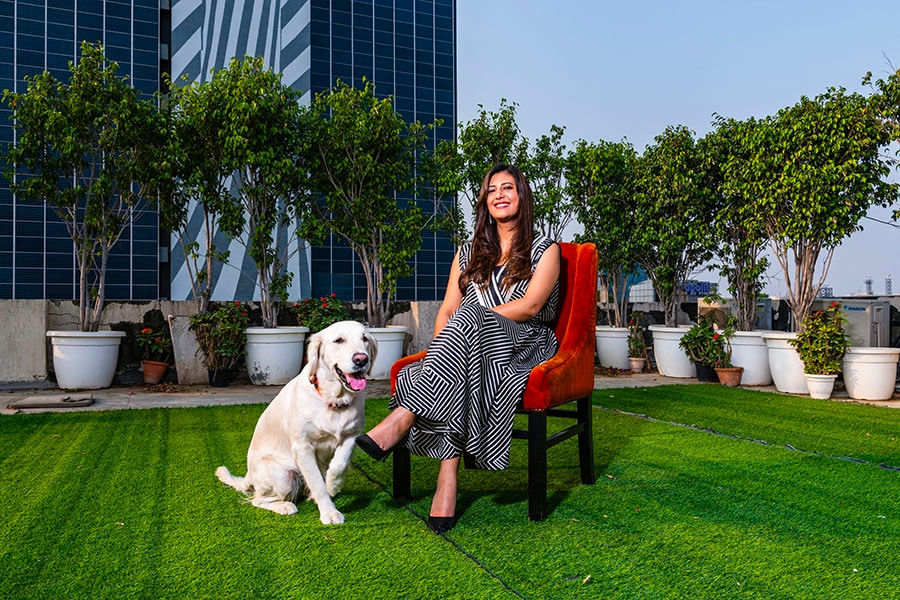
486, 243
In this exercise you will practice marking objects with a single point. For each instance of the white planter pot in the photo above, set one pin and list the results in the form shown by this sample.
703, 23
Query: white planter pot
671, 360
784, 363
274, 356
612, 347
748, 350
820, 386
390, 340
85, 360
870, 373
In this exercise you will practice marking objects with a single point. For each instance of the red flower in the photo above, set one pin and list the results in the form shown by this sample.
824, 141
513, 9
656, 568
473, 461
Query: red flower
146, 331
715, 336
834, 304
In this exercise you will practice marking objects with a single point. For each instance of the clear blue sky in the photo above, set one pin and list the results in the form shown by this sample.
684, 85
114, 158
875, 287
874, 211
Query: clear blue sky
627, 69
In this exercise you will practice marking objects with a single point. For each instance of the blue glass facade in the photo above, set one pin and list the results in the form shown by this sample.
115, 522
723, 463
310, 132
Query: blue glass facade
407, 49
36, 255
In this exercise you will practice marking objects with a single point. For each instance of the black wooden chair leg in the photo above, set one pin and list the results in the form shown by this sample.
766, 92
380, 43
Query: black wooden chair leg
586, 440
402, 471
537, 466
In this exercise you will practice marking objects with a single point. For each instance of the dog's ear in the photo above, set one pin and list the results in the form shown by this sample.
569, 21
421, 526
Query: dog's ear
373, 350
312, 352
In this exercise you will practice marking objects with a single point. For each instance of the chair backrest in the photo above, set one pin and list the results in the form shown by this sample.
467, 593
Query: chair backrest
569, 375
578, 290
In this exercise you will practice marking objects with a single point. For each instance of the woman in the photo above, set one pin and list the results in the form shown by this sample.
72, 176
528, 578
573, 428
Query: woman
493, 327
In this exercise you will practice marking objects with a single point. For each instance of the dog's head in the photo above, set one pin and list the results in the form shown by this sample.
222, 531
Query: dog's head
347, 350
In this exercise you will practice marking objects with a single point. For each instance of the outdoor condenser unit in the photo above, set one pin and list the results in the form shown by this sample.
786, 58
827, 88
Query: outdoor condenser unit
868, 321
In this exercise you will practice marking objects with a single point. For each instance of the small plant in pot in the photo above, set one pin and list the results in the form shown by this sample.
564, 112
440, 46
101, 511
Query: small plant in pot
708, 347
221, 336
156, 345
821, 344
319, 313
637, 346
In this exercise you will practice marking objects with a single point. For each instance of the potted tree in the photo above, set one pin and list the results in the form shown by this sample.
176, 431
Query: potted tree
740, 230
821, 344
870, 373
89, 149
362, 159
600, 181
195, 175
674, 208
262, 135
839, 139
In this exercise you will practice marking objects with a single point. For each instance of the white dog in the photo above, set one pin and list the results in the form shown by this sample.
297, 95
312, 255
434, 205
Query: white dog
304, 439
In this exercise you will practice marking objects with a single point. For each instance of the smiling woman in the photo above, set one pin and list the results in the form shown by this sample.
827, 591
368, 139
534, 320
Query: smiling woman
492, 328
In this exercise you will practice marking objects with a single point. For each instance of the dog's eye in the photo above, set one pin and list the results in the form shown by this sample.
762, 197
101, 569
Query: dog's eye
338, 340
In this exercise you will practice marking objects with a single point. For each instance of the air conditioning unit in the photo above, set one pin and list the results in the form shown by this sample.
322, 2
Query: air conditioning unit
868, 320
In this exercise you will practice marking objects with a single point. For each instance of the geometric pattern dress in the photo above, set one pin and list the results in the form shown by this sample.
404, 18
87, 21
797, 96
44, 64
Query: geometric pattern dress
465, 391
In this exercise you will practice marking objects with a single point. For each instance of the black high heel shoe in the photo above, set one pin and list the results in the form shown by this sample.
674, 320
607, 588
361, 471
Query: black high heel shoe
369, 446
440, 525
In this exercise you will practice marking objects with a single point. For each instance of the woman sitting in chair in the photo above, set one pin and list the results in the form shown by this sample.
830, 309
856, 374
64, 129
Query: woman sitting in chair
493, 327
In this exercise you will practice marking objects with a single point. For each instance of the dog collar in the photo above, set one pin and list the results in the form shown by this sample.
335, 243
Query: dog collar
314, 380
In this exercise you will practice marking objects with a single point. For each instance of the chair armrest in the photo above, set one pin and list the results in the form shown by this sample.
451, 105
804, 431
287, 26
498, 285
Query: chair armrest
406, 360
568, 375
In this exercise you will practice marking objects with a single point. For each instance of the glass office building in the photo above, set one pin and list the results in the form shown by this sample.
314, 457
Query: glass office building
36, 256
406, 47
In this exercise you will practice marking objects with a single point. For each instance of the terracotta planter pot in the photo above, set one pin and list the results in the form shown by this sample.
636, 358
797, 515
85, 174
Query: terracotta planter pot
154, 370
730, 376
637, 364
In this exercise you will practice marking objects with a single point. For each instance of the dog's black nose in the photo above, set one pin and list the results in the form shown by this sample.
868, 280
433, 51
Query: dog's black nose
360, 359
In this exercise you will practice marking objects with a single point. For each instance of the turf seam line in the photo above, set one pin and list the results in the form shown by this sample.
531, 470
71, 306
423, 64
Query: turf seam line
711, 431
452, 542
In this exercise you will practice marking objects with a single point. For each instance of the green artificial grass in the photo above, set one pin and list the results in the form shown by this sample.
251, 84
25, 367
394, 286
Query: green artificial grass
125, 504
861, 432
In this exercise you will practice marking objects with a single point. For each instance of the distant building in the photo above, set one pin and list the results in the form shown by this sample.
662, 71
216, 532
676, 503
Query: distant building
36, 256
406, 47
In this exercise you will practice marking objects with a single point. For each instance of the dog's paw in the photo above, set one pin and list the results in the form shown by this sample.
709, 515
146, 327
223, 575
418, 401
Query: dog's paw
333, 485
331, 517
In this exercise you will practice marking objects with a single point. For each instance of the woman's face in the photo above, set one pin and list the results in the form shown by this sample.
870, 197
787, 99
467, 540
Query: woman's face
503, 197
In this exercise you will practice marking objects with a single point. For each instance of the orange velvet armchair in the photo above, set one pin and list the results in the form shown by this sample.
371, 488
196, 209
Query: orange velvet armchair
567, 377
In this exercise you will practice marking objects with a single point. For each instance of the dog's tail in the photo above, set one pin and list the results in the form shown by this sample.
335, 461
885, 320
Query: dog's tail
238, 483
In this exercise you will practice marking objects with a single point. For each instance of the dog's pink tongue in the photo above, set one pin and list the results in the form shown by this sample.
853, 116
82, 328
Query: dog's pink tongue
356, 383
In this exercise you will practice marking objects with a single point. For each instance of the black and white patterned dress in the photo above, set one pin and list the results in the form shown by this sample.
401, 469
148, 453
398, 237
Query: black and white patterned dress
464, 393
